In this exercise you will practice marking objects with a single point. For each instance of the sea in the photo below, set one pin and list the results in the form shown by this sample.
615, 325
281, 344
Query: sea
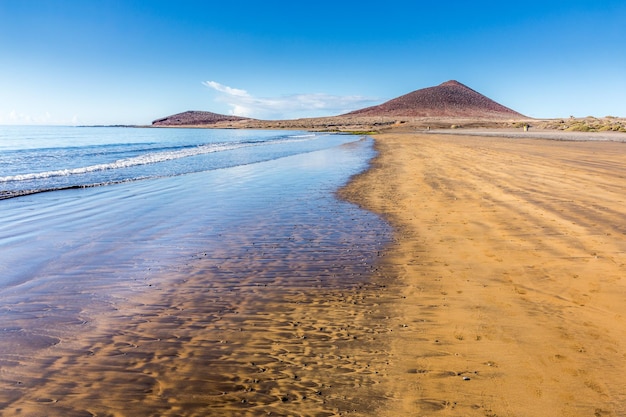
106, 228
37, 159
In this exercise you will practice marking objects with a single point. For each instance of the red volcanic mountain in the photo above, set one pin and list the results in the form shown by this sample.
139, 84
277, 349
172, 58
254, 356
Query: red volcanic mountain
190, 118
450, 99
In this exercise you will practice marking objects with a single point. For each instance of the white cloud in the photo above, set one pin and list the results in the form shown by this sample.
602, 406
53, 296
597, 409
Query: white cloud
18, 118
241, 103
227, 90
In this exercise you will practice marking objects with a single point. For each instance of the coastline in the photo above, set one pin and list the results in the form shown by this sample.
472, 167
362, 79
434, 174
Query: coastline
499, 294
508, 260
238, 291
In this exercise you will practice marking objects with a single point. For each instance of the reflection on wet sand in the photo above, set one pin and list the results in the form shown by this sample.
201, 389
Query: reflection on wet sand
280, 314
265, 330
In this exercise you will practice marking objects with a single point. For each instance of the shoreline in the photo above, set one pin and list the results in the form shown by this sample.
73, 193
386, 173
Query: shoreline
499, 293
508, 257
254, 299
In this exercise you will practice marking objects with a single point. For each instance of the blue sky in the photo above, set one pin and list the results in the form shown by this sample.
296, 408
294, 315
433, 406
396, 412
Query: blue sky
130, 62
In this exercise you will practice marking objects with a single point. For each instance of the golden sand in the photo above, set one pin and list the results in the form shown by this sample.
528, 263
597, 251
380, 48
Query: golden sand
502, 294
281, 318
510, 262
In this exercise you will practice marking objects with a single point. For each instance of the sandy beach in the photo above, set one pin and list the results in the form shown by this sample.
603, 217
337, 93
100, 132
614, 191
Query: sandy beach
500, 292
509, 265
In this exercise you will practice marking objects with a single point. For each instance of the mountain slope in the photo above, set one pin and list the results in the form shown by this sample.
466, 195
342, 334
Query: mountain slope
450, 99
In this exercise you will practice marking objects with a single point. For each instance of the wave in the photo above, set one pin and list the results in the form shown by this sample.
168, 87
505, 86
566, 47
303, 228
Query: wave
146, 159
5, 195
308, 135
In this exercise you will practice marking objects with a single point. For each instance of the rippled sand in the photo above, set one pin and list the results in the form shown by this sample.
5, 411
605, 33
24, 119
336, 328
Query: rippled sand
240, 292
510, 260
275, 337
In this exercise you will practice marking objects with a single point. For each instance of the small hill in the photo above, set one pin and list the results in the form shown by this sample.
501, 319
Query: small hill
450, 99
196, 118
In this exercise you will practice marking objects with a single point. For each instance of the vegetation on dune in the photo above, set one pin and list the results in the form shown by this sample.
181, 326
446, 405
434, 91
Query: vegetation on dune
586, 124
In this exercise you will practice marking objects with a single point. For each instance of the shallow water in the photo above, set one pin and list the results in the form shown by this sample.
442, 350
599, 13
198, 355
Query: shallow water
231, 291
35, 159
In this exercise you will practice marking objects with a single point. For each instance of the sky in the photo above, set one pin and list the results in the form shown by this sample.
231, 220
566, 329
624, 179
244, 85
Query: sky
131, 62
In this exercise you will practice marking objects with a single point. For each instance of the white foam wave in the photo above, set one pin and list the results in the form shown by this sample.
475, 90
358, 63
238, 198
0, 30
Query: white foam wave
150, 158
309, 135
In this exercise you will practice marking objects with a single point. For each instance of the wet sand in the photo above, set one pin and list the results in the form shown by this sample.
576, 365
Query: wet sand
239, 292
509, 261
279, 336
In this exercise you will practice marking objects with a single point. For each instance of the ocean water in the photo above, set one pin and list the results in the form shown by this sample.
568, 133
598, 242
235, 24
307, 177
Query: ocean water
145, 185
109, 235
35, 159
